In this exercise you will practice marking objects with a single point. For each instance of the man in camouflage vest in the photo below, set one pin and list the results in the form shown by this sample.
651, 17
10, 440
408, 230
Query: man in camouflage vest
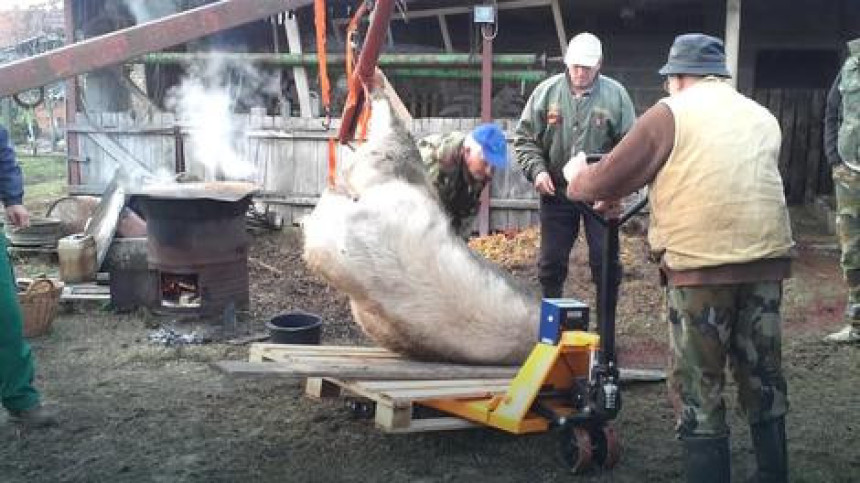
459, 165
842, 147
720, 225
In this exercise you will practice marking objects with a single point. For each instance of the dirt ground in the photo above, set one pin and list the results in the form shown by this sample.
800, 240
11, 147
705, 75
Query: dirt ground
132, 411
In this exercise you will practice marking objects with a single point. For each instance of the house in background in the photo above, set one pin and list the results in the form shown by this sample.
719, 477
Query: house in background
782, 59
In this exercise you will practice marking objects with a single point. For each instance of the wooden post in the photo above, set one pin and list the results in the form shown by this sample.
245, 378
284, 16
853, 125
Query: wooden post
73, 164
300, 75
733, 32
446, 34
559, 26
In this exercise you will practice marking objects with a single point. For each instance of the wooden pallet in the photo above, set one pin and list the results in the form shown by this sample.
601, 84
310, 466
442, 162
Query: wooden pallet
395, 385
397, 402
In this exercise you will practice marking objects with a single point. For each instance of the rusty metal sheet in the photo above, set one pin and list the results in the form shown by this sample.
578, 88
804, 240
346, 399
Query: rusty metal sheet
102, 225
119, 46
214, 190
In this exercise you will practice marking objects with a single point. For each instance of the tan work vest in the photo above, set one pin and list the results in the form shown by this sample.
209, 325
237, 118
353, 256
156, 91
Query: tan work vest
719, 198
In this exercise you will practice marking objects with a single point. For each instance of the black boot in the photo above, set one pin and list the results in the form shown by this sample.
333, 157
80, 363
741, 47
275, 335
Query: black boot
770, 451
707, 460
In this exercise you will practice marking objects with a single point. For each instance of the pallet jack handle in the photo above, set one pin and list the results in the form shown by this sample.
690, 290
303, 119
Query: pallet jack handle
607, 298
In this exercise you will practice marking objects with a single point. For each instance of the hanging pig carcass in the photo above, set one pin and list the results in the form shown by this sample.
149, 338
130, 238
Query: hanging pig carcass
414, 286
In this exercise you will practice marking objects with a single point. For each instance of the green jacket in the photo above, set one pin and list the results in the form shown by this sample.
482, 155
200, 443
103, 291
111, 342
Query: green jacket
459, 193
555, 125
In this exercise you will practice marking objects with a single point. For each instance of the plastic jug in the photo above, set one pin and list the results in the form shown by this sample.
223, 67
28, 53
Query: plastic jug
77, 254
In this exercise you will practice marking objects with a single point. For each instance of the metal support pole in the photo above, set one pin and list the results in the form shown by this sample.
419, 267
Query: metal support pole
486, 116
733, 29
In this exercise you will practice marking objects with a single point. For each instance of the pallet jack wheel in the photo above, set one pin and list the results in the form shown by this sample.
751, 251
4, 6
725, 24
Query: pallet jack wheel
577, 449
361, 408
607, 446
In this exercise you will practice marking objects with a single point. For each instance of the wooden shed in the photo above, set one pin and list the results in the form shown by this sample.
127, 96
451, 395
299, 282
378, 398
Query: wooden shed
782, 59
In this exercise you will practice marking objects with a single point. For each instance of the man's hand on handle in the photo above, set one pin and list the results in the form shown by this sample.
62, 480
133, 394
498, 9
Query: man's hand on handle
544, 185
18, 216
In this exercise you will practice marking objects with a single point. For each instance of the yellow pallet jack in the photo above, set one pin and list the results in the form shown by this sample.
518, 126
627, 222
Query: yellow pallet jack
570, 381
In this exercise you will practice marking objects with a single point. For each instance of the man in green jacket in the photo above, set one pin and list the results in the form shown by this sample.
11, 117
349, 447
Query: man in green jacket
579, 110
17, 393
459, 165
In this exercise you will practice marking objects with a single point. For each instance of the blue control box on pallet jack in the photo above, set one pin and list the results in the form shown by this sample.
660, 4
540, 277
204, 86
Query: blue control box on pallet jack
557, 315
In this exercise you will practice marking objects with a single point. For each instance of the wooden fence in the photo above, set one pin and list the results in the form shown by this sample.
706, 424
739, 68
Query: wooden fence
802, 163
289, 156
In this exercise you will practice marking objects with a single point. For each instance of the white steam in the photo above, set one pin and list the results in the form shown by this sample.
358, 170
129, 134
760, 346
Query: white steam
205, 103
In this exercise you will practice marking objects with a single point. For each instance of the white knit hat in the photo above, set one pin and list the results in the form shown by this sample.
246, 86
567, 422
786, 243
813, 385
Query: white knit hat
584, 50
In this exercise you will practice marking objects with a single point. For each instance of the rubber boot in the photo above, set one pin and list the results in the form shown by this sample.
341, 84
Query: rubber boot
771, 453
707, 460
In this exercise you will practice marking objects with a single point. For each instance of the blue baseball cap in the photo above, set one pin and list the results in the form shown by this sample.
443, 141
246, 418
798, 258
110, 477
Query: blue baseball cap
493, 144
696, 54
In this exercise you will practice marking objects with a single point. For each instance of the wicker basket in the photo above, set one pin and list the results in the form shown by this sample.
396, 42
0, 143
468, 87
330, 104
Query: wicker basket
39, 299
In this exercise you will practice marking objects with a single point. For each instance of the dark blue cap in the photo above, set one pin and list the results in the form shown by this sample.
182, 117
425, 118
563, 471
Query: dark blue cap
696, 54
493, 145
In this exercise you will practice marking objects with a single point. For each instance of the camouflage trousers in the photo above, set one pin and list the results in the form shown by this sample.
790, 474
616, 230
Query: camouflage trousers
710, 325
846, 185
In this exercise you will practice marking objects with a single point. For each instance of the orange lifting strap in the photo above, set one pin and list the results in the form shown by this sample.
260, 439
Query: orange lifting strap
325, 87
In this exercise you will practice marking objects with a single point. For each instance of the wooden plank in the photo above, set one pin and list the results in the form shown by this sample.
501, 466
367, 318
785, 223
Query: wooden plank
300, 76
322, 349
786, 121
401, 370
446, 34
391, 418
381, 386
816, 152
799, 147
435, 424
321, 387
424, 13
559, 25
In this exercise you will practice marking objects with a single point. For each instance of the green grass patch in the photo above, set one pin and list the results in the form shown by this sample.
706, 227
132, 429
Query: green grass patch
44, 180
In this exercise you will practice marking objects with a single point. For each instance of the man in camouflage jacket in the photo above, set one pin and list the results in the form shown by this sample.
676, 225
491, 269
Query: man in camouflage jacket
841, 141
459, 165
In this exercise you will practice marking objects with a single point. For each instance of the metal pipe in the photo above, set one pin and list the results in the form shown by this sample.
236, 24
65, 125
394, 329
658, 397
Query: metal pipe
532, 76
486, 116
310, 59
365, 66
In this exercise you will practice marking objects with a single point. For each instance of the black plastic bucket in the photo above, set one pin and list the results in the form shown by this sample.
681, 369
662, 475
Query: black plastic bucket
295, 328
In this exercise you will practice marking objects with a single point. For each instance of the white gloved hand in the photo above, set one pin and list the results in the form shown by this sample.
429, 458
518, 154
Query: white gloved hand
576, 164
